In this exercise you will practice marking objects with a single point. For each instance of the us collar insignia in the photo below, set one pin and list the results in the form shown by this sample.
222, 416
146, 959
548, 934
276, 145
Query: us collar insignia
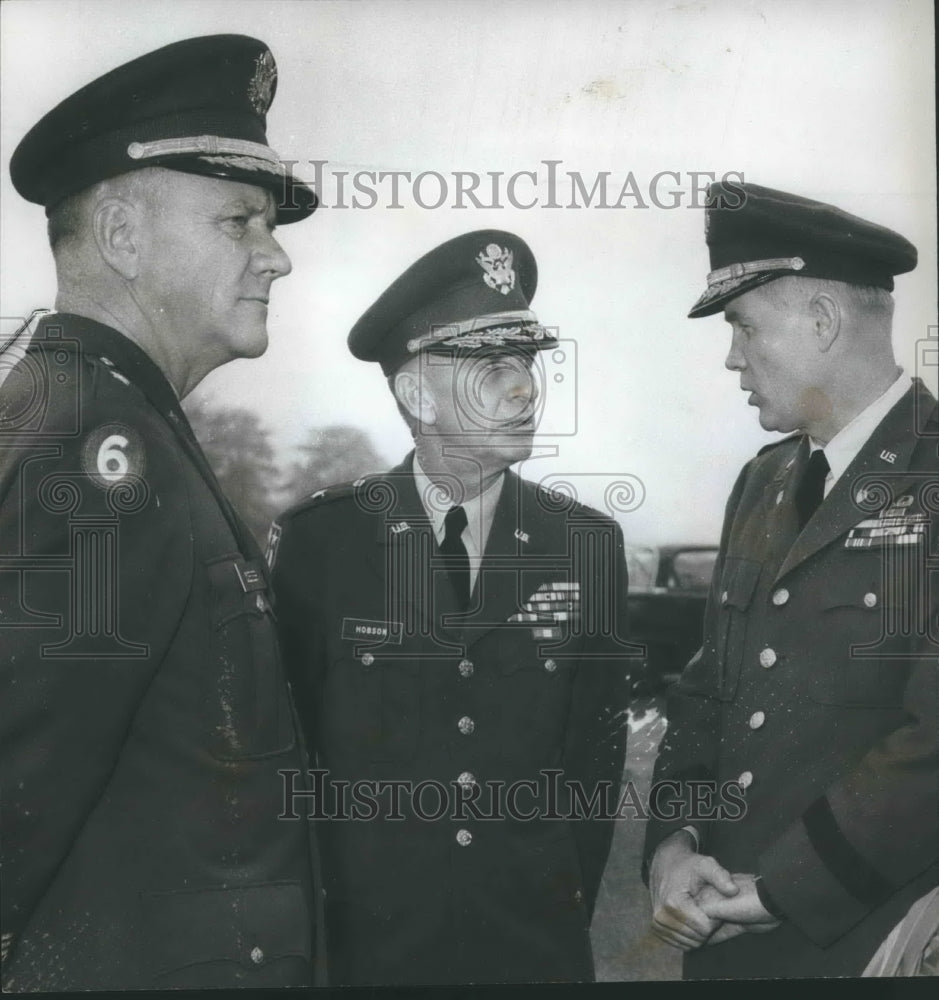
496, 263
261, 85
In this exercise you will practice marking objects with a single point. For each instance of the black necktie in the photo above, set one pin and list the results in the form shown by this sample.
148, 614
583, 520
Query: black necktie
454, 552
811, 487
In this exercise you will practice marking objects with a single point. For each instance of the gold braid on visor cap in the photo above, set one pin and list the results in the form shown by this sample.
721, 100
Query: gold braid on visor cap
755, 267
493, 329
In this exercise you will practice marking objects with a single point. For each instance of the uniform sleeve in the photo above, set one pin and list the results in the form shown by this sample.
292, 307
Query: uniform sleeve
94, 574
877, 827
595, 745
296, 571
690, 747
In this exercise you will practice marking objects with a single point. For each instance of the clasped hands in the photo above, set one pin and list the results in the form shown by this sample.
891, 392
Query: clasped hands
695, 901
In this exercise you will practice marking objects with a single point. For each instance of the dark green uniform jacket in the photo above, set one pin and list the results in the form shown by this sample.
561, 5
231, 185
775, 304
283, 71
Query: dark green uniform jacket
394, 685
144, 709
816, 684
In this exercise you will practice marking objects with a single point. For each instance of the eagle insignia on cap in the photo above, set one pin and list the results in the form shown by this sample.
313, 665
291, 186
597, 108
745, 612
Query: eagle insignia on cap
497, 266
261, 85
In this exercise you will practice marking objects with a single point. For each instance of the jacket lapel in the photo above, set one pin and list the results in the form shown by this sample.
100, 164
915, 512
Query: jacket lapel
406, 558
867, 485
516, 559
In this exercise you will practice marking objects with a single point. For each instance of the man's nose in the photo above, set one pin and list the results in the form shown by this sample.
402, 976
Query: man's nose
271, 258
734, 361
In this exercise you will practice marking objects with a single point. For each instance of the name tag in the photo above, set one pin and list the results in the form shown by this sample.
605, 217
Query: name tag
366, 630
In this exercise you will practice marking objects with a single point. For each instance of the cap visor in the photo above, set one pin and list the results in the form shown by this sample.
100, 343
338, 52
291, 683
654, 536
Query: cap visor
720, 293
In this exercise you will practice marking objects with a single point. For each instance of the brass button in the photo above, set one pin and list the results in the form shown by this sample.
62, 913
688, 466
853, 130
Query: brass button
466, 668
466, 778
780, 597
464, 838
550, 666
724, 597
870, 600
767, 657
368, 659
746, 779
257, 956
466, 725
579, 896
261, 603
757, 720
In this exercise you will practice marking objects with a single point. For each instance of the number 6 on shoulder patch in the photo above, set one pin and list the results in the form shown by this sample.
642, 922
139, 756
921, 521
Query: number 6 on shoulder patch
113, 452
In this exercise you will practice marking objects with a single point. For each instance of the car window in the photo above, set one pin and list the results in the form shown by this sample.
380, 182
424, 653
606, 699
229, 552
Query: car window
692, 570
642, 565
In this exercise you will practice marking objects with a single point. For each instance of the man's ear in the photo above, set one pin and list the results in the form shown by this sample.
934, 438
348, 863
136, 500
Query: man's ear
414, 395
116, 225
827, 314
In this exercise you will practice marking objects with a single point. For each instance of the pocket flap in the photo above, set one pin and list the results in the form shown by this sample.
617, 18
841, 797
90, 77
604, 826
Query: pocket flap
738, 582
850, 591
250, 925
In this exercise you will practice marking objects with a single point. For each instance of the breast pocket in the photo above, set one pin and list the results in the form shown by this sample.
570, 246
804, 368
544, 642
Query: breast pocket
865, 633
371, 707
246, 695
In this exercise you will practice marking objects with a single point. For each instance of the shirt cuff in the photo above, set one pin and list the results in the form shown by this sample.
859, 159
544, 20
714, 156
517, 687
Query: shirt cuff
767, 901
694, 836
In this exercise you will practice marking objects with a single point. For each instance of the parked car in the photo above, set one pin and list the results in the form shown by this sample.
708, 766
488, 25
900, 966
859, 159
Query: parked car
668, 587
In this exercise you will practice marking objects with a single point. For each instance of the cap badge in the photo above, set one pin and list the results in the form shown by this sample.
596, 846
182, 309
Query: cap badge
497, 267
261, 85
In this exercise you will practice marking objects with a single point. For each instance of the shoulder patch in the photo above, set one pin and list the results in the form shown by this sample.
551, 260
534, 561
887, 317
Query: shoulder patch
273, 541
112, 453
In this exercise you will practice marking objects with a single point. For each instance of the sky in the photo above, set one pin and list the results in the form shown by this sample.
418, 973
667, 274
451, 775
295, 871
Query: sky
831, 99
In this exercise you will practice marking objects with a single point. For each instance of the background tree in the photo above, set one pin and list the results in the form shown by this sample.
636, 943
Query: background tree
330, 455
238, 448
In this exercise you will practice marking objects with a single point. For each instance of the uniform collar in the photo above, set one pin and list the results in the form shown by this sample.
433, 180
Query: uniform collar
94, 339
842, 449
480, 510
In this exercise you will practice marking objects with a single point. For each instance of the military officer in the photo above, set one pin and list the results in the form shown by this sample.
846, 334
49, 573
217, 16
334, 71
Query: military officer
815, 688
145, 710
454, 632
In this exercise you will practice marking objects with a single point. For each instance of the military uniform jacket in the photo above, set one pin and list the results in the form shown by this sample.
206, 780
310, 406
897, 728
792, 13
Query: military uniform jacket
144, 709
816, 689
394, 684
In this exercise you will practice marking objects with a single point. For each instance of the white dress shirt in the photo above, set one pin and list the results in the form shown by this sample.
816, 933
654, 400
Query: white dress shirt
480, 511
843, 448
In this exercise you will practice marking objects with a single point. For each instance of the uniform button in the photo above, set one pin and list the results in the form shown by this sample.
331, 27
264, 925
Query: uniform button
464, 838
746, 779
466, 668
780, 597
724, 597
767, 657
466, 725
368, 659
467, 778
870, 600
257, 956
550, 666
579, 896
757, 720
261, 603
